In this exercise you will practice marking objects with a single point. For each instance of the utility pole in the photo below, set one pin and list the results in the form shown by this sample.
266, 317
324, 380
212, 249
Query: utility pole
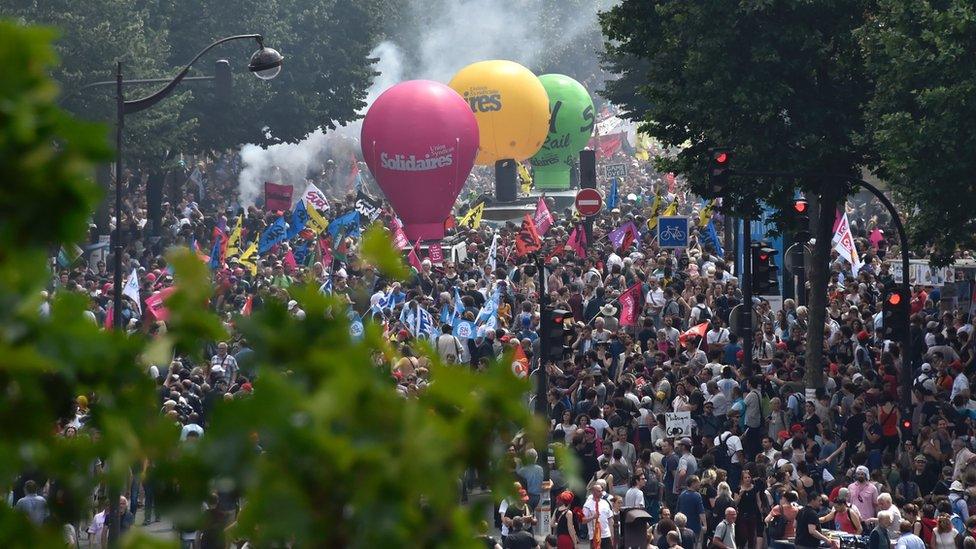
745, 321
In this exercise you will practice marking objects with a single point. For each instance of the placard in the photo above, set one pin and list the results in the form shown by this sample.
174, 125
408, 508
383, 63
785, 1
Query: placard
677, 424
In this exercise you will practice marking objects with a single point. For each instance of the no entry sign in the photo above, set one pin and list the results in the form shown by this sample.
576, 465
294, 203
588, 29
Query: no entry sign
588, 202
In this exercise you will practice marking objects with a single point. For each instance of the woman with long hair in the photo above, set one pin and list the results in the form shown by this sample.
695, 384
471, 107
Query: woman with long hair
945, 534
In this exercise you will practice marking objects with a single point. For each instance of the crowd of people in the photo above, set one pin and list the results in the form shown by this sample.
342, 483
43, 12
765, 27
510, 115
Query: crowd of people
764, 460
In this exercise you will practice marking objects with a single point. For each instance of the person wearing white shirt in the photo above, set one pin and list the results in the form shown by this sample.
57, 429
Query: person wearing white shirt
959, 384
598, 514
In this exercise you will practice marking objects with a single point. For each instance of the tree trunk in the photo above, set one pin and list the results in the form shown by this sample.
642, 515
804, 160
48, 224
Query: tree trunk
818, 277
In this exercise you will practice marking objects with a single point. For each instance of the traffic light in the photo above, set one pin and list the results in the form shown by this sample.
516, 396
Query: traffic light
765, 272
801, 220
895, 311
554, 331
719, 165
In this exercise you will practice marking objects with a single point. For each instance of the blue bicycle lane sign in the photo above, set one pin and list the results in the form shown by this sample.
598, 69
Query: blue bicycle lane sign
673, 231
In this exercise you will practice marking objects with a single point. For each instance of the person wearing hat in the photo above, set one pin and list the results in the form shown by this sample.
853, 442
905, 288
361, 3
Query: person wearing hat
565, 523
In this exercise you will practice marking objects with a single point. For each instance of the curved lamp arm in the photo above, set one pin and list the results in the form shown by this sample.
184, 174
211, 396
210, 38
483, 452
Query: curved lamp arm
137, 105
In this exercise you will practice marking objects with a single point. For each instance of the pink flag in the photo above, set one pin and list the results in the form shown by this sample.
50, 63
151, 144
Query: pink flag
876, 237
543, 219
248, 306
289, 261
672, 182
277, 197
412, 257
435, 253
577, 241
629, 305
399, 237
155, 304
109, 318
326, 248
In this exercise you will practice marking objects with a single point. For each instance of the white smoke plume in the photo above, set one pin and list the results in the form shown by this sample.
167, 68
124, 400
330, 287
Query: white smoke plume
445, 36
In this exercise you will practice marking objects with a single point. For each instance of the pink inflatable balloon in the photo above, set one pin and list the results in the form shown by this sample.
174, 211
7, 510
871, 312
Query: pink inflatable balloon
420, 140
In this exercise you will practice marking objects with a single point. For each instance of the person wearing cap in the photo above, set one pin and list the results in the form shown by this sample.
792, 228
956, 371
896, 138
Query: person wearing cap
564, 521
923, 475
687, 464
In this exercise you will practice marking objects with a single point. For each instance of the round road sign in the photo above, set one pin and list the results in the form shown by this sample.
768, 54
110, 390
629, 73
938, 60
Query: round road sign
589, 202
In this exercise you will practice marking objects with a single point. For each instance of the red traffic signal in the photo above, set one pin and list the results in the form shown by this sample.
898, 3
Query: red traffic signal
721, 157
894, 299
800, 206
906, 423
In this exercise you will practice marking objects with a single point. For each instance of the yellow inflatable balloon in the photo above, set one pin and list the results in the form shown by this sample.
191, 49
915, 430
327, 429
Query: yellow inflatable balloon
511, 105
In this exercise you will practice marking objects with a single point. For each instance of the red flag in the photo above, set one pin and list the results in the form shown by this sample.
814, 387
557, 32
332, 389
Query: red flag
629, 301
248, 305
606, 145
577, 241
289, 261
277, 197
629, 237
413, 258
543, 218
695, 331
109, 318
556, 252
449, 223
353, 173
528, 238
155, 304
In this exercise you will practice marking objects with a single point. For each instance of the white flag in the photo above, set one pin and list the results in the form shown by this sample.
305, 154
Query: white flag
844, 244
315, 198
493, 253
131, 290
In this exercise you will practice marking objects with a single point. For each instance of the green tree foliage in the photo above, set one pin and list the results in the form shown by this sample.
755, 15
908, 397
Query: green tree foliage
93, 36
920, 56
781, 82
325, 452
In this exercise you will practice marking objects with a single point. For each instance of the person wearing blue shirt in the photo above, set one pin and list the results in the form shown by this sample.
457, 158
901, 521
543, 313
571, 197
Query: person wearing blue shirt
691, 505
731, 351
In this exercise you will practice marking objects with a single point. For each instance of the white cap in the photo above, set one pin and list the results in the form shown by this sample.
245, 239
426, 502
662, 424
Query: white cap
292, 304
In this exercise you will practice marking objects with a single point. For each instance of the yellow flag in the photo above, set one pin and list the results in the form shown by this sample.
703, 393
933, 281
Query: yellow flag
525, 177
234, 240
706, 214
473, 217
246, 258
643, 147
655, 212
672, 209
315, 223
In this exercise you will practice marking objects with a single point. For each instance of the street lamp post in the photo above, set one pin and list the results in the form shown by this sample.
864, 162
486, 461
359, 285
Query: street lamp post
265, 63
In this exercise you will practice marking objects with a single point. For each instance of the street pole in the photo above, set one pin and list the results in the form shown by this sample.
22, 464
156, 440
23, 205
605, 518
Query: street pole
745, 320
542, 375
113, 492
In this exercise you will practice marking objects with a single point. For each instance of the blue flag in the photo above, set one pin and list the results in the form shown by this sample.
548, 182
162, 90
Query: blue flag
464, 329
425, 326
346, 224
299, 217
275, 233
490, 308
215, 253
301, 253
612, 197
326, 287
458, 304
713, 236
445, 314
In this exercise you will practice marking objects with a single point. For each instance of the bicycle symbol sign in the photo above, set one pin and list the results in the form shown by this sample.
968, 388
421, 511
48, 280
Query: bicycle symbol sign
673, 231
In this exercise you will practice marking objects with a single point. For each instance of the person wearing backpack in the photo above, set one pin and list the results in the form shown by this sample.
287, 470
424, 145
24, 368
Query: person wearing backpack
700, 311
728, 454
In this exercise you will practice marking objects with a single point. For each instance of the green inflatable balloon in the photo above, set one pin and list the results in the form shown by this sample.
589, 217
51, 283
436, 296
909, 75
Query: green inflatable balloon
571, 119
